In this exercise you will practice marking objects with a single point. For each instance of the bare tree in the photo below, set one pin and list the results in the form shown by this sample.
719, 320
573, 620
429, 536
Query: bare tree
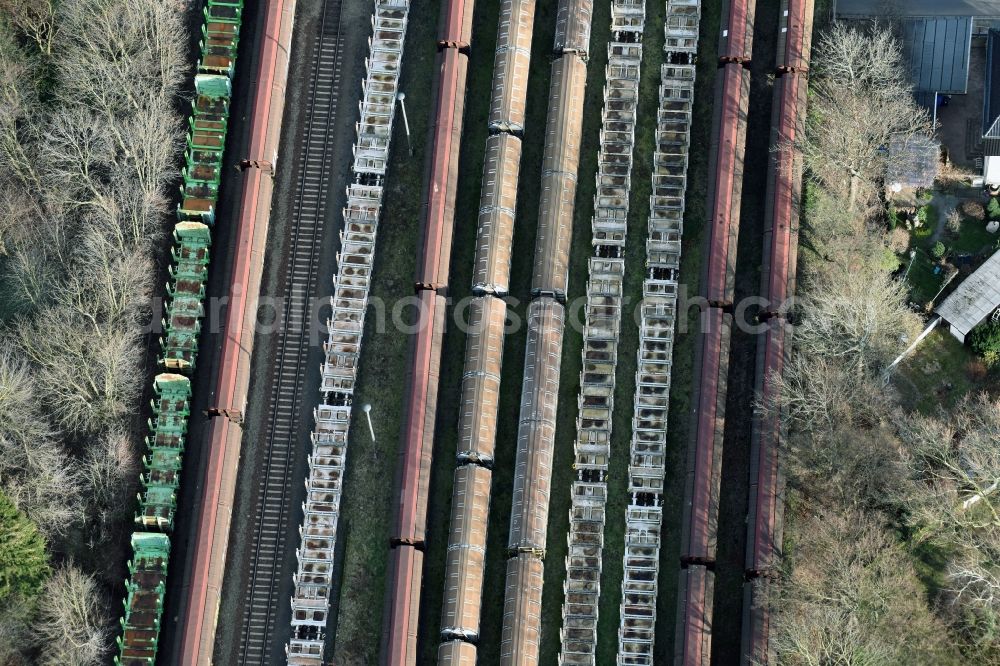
861, 98
855, 315
18, 108
954, 502
15, 632
853, 599
70, 629
89, 373
133, 64
110, 467
34, 18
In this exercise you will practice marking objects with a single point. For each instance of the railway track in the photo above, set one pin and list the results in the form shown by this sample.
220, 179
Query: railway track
272, 510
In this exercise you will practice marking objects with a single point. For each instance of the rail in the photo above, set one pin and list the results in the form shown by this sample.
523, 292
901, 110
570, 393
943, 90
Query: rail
313, 579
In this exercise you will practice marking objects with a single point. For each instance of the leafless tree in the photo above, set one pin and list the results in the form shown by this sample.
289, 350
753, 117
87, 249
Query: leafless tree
70, 628
15, 632
855, 315
133, 64
853, 599
18, 105
34, 18
954, 461
49, 495
88, 373
110, 467
861, 99
117, 286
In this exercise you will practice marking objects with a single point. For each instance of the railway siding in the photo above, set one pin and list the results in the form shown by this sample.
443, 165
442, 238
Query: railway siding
543, 353
333, 416
154, 521
466, 555
765, 513
647, 451
581, 588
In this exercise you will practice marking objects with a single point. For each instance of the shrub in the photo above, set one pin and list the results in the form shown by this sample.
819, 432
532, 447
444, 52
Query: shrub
890, 262
985, 339
954, 223
899, 240
893, 217
973, 210
994, 208
938, 250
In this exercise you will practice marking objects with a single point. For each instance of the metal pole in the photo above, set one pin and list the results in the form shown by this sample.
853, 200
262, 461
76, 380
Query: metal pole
927, 331
367, 409
913, 255
406, 123
946, 283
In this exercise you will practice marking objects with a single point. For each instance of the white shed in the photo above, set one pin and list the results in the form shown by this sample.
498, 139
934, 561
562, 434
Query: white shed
974, 301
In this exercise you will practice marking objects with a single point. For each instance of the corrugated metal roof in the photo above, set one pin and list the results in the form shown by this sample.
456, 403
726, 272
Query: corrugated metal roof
985, 8
975, 298
938, 52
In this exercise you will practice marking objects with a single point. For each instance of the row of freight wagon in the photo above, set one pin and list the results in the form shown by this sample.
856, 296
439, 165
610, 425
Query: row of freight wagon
437, 219
606, 271
702, 491
208, 122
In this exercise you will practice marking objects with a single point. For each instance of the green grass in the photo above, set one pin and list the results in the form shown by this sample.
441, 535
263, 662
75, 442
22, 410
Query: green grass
972, 238
939, 374
924, 283
367, 501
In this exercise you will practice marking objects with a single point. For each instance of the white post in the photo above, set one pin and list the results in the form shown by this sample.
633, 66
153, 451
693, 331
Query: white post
927, 331
913, 255
946, 283
367, 409
406, 123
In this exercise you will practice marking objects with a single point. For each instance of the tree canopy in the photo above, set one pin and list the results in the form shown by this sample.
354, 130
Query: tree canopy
24, 564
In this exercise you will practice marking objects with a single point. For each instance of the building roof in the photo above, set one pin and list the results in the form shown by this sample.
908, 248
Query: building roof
975, 298
913, 161
937, 50
979, 8
991, 97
